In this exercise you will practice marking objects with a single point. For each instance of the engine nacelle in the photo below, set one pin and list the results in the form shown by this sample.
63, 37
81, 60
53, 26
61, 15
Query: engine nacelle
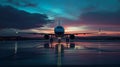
46, 45
72, 36
72, 45
46, 36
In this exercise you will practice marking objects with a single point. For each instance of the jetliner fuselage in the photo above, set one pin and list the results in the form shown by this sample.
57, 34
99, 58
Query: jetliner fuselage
59, 31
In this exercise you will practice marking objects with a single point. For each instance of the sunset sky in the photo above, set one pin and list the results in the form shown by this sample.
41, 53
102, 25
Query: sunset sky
76, 16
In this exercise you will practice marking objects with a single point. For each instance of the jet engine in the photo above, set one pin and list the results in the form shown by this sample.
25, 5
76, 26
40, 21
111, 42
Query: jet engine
46, 36
72, 36
46, 45
72, 45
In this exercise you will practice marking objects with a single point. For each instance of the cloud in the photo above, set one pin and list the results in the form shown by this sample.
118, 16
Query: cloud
101, 18
62, 8
107, 20
12, 18
22, 3
94, 13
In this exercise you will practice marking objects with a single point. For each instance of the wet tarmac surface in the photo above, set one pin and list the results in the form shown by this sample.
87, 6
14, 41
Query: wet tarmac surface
35, 52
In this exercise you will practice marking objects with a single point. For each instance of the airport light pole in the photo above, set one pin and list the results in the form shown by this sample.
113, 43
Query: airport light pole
16, 42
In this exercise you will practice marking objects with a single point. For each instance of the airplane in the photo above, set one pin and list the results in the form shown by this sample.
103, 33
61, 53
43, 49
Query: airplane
59, 32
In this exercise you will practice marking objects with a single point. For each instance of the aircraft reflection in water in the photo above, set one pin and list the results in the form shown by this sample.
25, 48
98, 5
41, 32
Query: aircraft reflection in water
15, 47
59, 49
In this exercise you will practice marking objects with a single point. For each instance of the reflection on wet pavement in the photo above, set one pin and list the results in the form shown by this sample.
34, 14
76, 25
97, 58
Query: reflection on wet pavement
45, 53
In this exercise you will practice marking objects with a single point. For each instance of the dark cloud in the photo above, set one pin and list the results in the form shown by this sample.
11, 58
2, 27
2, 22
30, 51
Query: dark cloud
117, 29
101, 18
13, 18
17, 3
89, 9
22, 3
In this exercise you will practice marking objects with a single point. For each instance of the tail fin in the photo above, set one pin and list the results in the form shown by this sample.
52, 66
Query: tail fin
59, 22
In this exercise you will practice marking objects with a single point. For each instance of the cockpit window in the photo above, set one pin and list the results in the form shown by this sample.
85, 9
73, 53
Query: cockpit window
59, 27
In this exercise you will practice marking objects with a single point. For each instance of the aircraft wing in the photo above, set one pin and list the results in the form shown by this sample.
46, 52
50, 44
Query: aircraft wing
41, 33
85, 33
